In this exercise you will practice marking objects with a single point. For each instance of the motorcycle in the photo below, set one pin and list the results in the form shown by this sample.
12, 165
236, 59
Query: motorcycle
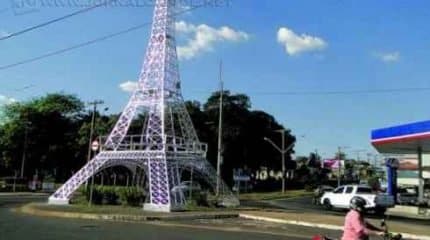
387, 235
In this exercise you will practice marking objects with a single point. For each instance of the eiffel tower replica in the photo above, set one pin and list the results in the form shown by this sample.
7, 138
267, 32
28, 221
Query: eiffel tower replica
168, 143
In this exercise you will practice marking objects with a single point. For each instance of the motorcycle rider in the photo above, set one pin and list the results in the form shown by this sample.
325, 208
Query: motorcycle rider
356, 228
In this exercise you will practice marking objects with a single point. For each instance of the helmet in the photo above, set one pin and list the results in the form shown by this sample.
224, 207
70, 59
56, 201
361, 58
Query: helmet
357, 203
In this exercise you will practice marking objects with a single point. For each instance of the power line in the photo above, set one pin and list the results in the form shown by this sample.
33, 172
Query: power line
339, 92
347, 92
9, 88
58, 52
24, 88
80, 45
56, 20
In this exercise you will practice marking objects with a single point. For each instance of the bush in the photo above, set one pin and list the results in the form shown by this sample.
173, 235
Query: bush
309, 187
202, 199
109, 195
131, 196
49, 178
97, 197
373, 182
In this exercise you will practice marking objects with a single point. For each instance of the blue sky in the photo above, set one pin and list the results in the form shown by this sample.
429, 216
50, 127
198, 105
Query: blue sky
268, 47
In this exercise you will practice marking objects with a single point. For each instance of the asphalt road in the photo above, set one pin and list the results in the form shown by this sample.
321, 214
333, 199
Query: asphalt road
15, 225
304, 204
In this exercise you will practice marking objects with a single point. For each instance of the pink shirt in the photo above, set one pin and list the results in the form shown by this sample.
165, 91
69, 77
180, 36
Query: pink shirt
355, 227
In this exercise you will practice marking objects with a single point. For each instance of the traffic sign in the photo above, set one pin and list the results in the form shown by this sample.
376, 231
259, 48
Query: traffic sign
95, 145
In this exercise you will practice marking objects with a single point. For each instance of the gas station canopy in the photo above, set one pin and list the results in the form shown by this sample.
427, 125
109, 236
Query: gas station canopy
403, 139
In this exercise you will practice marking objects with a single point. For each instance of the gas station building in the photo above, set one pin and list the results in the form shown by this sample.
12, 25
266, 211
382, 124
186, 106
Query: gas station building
412, 141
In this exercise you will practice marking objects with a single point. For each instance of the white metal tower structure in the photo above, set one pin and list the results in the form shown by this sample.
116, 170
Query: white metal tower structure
168, 142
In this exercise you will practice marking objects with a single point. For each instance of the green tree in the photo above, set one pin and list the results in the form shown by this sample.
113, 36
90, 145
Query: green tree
58, 129
50, 123
243, 134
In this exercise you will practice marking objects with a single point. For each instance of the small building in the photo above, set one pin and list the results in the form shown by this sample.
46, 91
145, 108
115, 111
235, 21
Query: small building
407, 142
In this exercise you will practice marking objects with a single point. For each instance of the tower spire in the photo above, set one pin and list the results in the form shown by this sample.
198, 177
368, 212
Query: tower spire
168, 142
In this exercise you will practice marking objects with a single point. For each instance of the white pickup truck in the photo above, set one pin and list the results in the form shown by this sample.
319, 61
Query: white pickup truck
341, 197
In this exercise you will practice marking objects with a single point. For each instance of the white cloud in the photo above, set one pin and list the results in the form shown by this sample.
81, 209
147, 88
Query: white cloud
182, 8
128, 86
295, 44
6, 100
183, 27
4, 33
388, 57
202, 38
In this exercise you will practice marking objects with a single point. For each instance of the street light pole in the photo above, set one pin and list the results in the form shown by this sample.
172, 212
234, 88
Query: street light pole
283, 150
219, 155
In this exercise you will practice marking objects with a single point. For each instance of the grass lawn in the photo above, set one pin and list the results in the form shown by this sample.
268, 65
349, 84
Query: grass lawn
274, 195
82, 207
98, 209
119, 209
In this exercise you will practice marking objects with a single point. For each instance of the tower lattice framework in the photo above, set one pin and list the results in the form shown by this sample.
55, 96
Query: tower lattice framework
168, 142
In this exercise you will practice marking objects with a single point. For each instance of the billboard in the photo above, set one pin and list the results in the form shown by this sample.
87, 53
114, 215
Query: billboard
332, 163
410, 164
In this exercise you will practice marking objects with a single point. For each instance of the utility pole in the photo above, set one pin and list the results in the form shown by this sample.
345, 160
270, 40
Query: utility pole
368, 157
317, 157
191, 187
14, 181
358, 151
339, 152
338, 166
283, 150
24, 148
283, 161
219, 156
93, 118
93, 122
375, 157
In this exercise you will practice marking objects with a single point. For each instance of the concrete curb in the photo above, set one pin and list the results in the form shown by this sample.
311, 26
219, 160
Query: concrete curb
22, 194
410, 212
317, 225
29, 209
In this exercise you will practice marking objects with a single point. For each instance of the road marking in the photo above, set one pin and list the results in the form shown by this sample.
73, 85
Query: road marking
324, 226
277, 220
226, 229
27, 210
